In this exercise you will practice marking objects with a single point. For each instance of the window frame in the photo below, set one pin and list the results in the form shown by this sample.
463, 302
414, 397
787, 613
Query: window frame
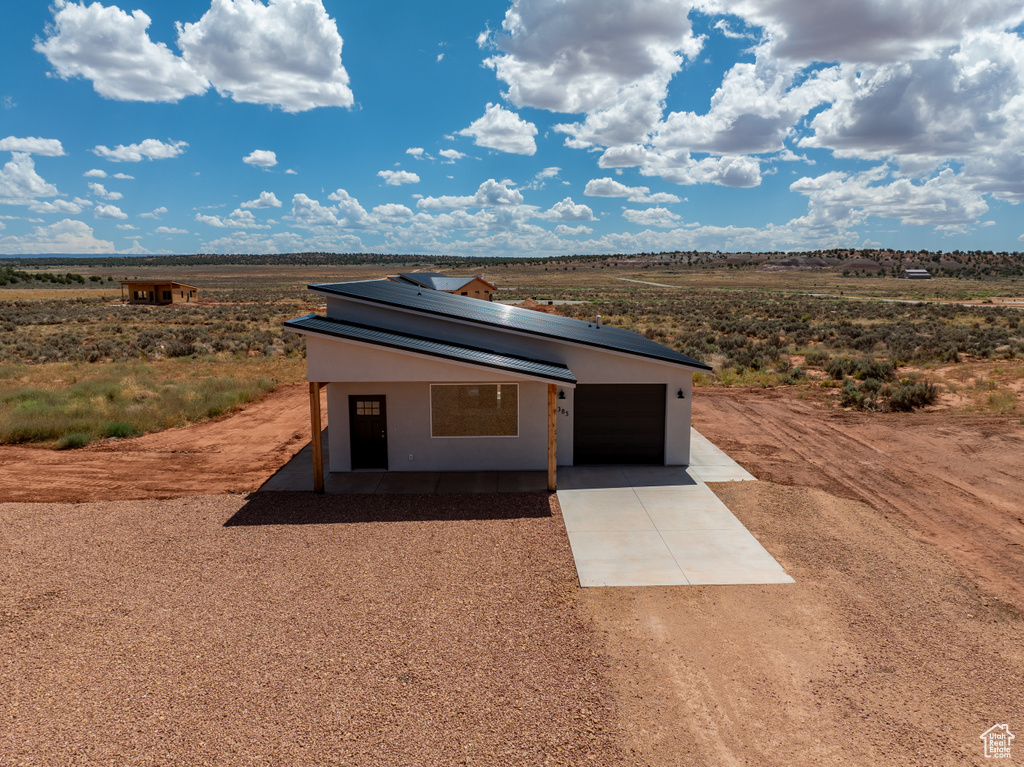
472, 436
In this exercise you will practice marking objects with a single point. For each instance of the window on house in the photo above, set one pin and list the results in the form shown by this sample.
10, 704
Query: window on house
167, 295
367, 407
474, 410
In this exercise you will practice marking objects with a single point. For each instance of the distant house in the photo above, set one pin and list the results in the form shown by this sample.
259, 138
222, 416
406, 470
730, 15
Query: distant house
474, 287
157, 292
915, 274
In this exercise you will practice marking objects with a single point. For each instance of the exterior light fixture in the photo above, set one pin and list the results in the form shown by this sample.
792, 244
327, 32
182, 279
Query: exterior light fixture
561, 394
679, 394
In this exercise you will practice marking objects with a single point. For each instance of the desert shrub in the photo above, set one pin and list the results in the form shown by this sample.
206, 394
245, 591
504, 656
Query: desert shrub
119, 430
913, 394
73, 440
882, 370
180, 349
840, 367
817, 358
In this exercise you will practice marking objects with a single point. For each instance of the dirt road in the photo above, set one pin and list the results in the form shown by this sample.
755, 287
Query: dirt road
232, 454
957, 480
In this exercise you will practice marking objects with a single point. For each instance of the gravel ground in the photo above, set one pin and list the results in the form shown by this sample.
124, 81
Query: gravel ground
445, 631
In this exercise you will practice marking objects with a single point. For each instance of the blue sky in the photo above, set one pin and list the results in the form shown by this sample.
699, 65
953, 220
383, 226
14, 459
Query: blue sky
513, 128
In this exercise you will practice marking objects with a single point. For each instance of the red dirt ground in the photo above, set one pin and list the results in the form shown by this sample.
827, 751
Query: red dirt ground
901, 641
957, 480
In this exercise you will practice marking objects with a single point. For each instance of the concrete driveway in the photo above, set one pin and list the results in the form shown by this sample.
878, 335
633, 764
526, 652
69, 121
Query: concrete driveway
661, 525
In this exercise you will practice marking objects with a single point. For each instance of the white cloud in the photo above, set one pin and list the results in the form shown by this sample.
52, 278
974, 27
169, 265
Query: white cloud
753, 111
127, 227
869, 30
113, 50
351, 212
67, 236
347, 213
567, 210
398, 177
123, 177
156, 213
285, 54
572, 231
679, 167
100, 191
290, 172
265, 200
95, 173
108, 211
19, 182
503, 130
238, 219
628, 156
64, 207
660, 217
149, 149
415, 151
262, 158
965, 105
451, 155
309, 213
490, 193
609, 187
169, 230
48, 147
839, 201
610, 60
392, 212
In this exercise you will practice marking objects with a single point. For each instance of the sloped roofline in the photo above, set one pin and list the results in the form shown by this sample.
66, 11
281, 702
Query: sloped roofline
429, 346
508, 318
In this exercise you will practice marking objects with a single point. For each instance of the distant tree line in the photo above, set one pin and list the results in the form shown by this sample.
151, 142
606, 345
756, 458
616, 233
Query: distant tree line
974, 263
12, 276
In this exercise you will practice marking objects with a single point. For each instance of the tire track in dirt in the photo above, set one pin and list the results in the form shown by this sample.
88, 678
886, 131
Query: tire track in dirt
955, 479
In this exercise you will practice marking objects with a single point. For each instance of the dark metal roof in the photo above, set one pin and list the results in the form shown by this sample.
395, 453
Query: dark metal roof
433, 347
436, 280
508, 317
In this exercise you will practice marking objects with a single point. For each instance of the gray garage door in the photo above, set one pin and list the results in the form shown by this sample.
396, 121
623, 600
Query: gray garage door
619, 423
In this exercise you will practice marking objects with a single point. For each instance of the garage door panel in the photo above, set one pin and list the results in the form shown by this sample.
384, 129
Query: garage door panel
619, 423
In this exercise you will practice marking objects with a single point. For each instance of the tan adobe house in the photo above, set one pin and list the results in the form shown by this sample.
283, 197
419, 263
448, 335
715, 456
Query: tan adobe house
474, 287
157, 292
422, 380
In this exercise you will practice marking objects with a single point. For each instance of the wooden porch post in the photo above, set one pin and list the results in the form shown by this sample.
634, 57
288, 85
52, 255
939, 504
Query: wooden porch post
318, 452
552, 451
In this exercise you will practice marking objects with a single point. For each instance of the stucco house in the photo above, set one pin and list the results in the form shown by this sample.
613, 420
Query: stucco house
421, 380
474, 287
158, 292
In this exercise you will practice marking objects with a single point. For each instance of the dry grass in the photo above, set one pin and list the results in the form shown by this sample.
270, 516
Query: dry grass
70, 405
